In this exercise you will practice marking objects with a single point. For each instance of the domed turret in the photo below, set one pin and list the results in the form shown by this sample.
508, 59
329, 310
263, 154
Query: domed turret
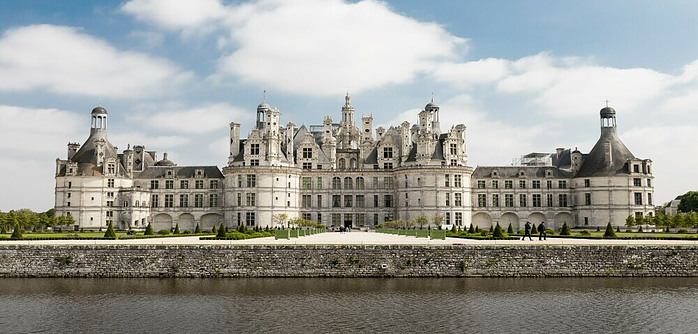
99, 111
608, 112
165, 161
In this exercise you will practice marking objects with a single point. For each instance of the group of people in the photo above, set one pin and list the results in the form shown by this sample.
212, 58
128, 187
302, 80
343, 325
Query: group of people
542, 235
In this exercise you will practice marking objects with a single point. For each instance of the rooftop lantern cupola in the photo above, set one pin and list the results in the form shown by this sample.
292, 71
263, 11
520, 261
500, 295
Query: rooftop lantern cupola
608, 118
98, 123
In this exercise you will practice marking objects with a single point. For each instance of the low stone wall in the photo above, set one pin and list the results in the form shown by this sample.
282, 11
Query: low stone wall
345, 261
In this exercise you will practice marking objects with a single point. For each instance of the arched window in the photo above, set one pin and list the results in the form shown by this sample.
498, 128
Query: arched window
336, 183
342, 163
348, 183
352, 163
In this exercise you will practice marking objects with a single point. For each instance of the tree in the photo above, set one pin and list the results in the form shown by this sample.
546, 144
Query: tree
280, 218
510, 229
498, 233
610, 233
421, 220
197, 229
438, 220
534, 230
17, 233
110, 234
640, 220
689, 202
630, 221
221, 231
176, 229
148, 230
471, 229
565, 229
213, 230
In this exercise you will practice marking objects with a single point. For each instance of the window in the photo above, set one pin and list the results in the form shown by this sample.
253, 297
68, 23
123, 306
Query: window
481, 184
239, 181
459, 218
457, 179
153, 201
509, 200
319, 217
111, 169
213, 200
508, 184
587, 183
306, 216
251, 180
336, 201
481, 200
448, 218
254, 162
319, 202
348, 201
549, 200
307, 165
388, 201
387, 152
359, 201
649, 198
184, 184
336, 219
169, 184
636, 168
536, 200
649, 182
251, 199
389, 182
549, 184
336, 183
562, 200
587, 199
535, 184
375, 201
306, 183
183, 200
250, 218
360, 218
447, 180
360, 183
388, 165
457, 199
239, 197
199, 184
198, 200
111, 203
495, 184
453, 149
348, 183
319, 183
523, 200
448, 199
637, 182
495, 200
522, 184
110, 183
306, 201
213, 184
307, 153
169, 199
638, 198
562, 184
254, 149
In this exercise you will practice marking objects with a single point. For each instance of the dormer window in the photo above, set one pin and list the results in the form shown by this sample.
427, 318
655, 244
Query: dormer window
169, 173
199, 173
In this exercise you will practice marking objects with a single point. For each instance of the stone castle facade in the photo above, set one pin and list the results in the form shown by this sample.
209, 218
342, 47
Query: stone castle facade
352, 175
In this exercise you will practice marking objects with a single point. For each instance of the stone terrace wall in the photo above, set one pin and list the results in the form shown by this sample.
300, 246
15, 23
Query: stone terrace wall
345, 261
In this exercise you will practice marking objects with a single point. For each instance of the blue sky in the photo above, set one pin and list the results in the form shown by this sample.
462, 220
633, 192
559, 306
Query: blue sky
523, 76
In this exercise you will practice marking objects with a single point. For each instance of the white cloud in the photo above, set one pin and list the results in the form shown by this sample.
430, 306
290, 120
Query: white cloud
27, 131
179, 15
194, 120
27, 183
64, 60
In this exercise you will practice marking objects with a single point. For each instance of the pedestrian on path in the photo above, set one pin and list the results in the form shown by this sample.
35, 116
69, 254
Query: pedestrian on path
527, 229
541, 232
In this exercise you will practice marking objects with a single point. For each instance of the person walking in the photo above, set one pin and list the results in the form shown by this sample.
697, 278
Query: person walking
541, 232
527, 229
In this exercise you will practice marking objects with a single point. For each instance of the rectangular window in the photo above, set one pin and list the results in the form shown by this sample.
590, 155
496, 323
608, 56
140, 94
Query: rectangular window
306, 201
213, 200
457, 199
375, 201
649, 198
254, 149
306, 216
495, 184
388, 165
110, 183
523, 200
509, 200
522, 184
587, 183
562, 200
213, 184
360, 183
550, 200
169, 184
448, 199
184, 184
587, 199
453, 149
239, 196
457, 180
254, 162
336, 219
359, 201
348, 201
251, 180
549, 184
562, 184
239, 181
447, 180
388, 182
459, 218
319, 183
448, 218
336, 201
307, 165
319, 201
495, 200
481, 184
388, 201
307, 153
537, 200
250, 218
637, 182
336, 183
508, 184
387, 152
638, 198
649, 182
360, 218
319, 217
482, 200
169, 200
198, 200
153, 201
306, 183
535, 184
199, 184
183, 200
251, 199
636, 168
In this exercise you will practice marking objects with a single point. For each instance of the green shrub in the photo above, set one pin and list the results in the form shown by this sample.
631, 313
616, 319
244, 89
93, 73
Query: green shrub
213, 230
197, 230
110, 234
221, 231
484, 233
130, 232
549, 231
639, 230
3, 230
610, 233
148, 230
17, 233
498, 233
534, 229
598, 229
164, 232
682, 230
186, 232
510, 229
618, 229
565, 229
471, 229
585, 233
176, 230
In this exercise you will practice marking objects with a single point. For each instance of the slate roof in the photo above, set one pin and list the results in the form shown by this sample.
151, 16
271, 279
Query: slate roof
595, 164
183, 172
512, 172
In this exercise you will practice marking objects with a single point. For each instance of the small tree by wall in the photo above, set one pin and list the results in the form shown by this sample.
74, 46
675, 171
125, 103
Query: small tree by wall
421, 221
17, 233
110, 234
471, 229
610, 233
148, 230
498, 233
510, 229
176, 229
221, 231
565, 229
198, 228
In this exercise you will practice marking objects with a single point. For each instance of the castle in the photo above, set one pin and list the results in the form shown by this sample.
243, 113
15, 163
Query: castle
350, 175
